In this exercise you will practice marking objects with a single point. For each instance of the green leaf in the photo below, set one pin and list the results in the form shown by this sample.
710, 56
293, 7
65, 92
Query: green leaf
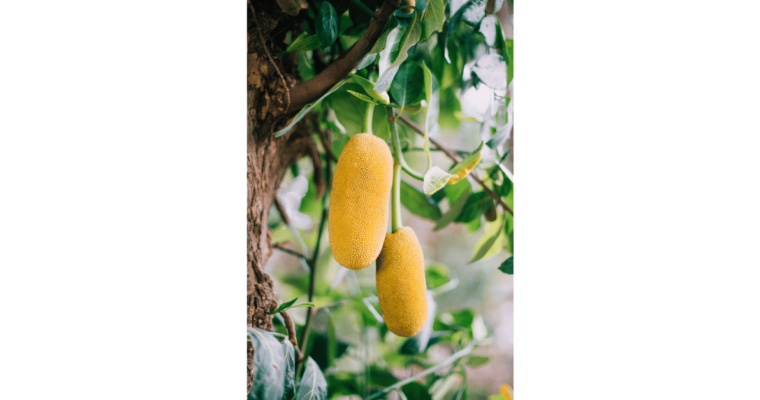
435, 179
304, 42
313, 385
368, 87
306, 110
393, 55
417, 391
407, 87
476, 206
453, 211
508, 266
476, 361
432, 18
288, 305
327, 24
381, 41
284, 306
269, 366
368, 60
350, 113
290, 369
491, 241
436, 275
464, 318
363, 97
418, 203
431, 110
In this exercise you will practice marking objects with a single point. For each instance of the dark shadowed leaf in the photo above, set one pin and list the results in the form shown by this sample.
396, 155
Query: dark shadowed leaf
476, 206
313, 385
419, 203
407, 87
327, 24
417, 391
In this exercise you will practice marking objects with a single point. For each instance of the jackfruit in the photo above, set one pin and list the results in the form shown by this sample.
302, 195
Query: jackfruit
361, 189
400, 279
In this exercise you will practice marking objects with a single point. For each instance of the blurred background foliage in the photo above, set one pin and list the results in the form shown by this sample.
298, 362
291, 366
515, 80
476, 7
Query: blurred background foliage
467, 238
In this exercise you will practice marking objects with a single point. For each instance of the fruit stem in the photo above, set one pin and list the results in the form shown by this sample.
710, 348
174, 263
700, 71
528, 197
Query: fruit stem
398, 156
369, 109
396, 199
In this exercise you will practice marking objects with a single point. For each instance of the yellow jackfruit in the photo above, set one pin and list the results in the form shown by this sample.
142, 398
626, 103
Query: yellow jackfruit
361, 190
401, 285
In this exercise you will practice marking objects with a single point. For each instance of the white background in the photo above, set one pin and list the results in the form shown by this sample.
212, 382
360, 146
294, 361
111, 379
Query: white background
122, 183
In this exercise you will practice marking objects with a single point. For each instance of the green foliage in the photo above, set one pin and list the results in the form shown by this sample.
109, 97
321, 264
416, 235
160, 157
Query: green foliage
508, 266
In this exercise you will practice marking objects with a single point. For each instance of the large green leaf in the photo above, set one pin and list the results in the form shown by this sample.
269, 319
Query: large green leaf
368, 87
327, 24
432, 18
306, 110
407, 87
269, 366
400, 40
313, 385
350, 112
418, 203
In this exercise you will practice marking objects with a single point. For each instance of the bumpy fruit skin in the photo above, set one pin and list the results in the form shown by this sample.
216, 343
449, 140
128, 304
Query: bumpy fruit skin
401, 283
361, 189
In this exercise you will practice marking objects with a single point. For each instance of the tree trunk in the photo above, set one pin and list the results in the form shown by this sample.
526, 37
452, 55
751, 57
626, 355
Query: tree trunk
268, 157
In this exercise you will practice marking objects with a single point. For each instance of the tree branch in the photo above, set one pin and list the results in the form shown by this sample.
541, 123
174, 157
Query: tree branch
307, 91
454, 158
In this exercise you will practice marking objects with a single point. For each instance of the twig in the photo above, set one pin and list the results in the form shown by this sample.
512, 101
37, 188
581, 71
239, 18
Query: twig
291, 327
310, 90
454, 158
454, 357
282, 212
264, 45
279, 246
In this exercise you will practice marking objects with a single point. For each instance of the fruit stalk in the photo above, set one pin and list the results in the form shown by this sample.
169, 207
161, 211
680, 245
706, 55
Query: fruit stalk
369, 109
396, 199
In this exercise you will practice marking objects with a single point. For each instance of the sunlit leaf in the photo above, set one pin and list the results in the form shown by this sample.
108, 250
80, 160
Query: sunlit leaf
435, 179
363, 97
491, 241
368, 87
432, 18
463, 168
393, 55
304, 42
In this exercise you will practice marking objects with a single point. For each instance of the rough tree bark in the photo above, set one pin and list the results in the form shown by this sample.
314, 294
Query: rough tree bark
275, 94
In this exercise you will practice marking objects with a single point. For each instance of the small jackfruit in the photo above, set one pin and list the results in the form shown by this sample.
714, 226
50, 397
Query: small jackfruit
361, 190
401, 285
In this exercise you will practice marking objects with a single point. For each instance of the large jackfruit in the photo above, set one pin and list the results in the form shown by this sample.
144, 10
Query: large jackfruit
401, 283
361, 190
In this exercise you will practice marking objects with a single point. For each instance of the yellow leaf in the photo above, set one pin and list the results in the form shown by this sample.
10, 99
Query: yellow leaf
506, 392
462, 173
